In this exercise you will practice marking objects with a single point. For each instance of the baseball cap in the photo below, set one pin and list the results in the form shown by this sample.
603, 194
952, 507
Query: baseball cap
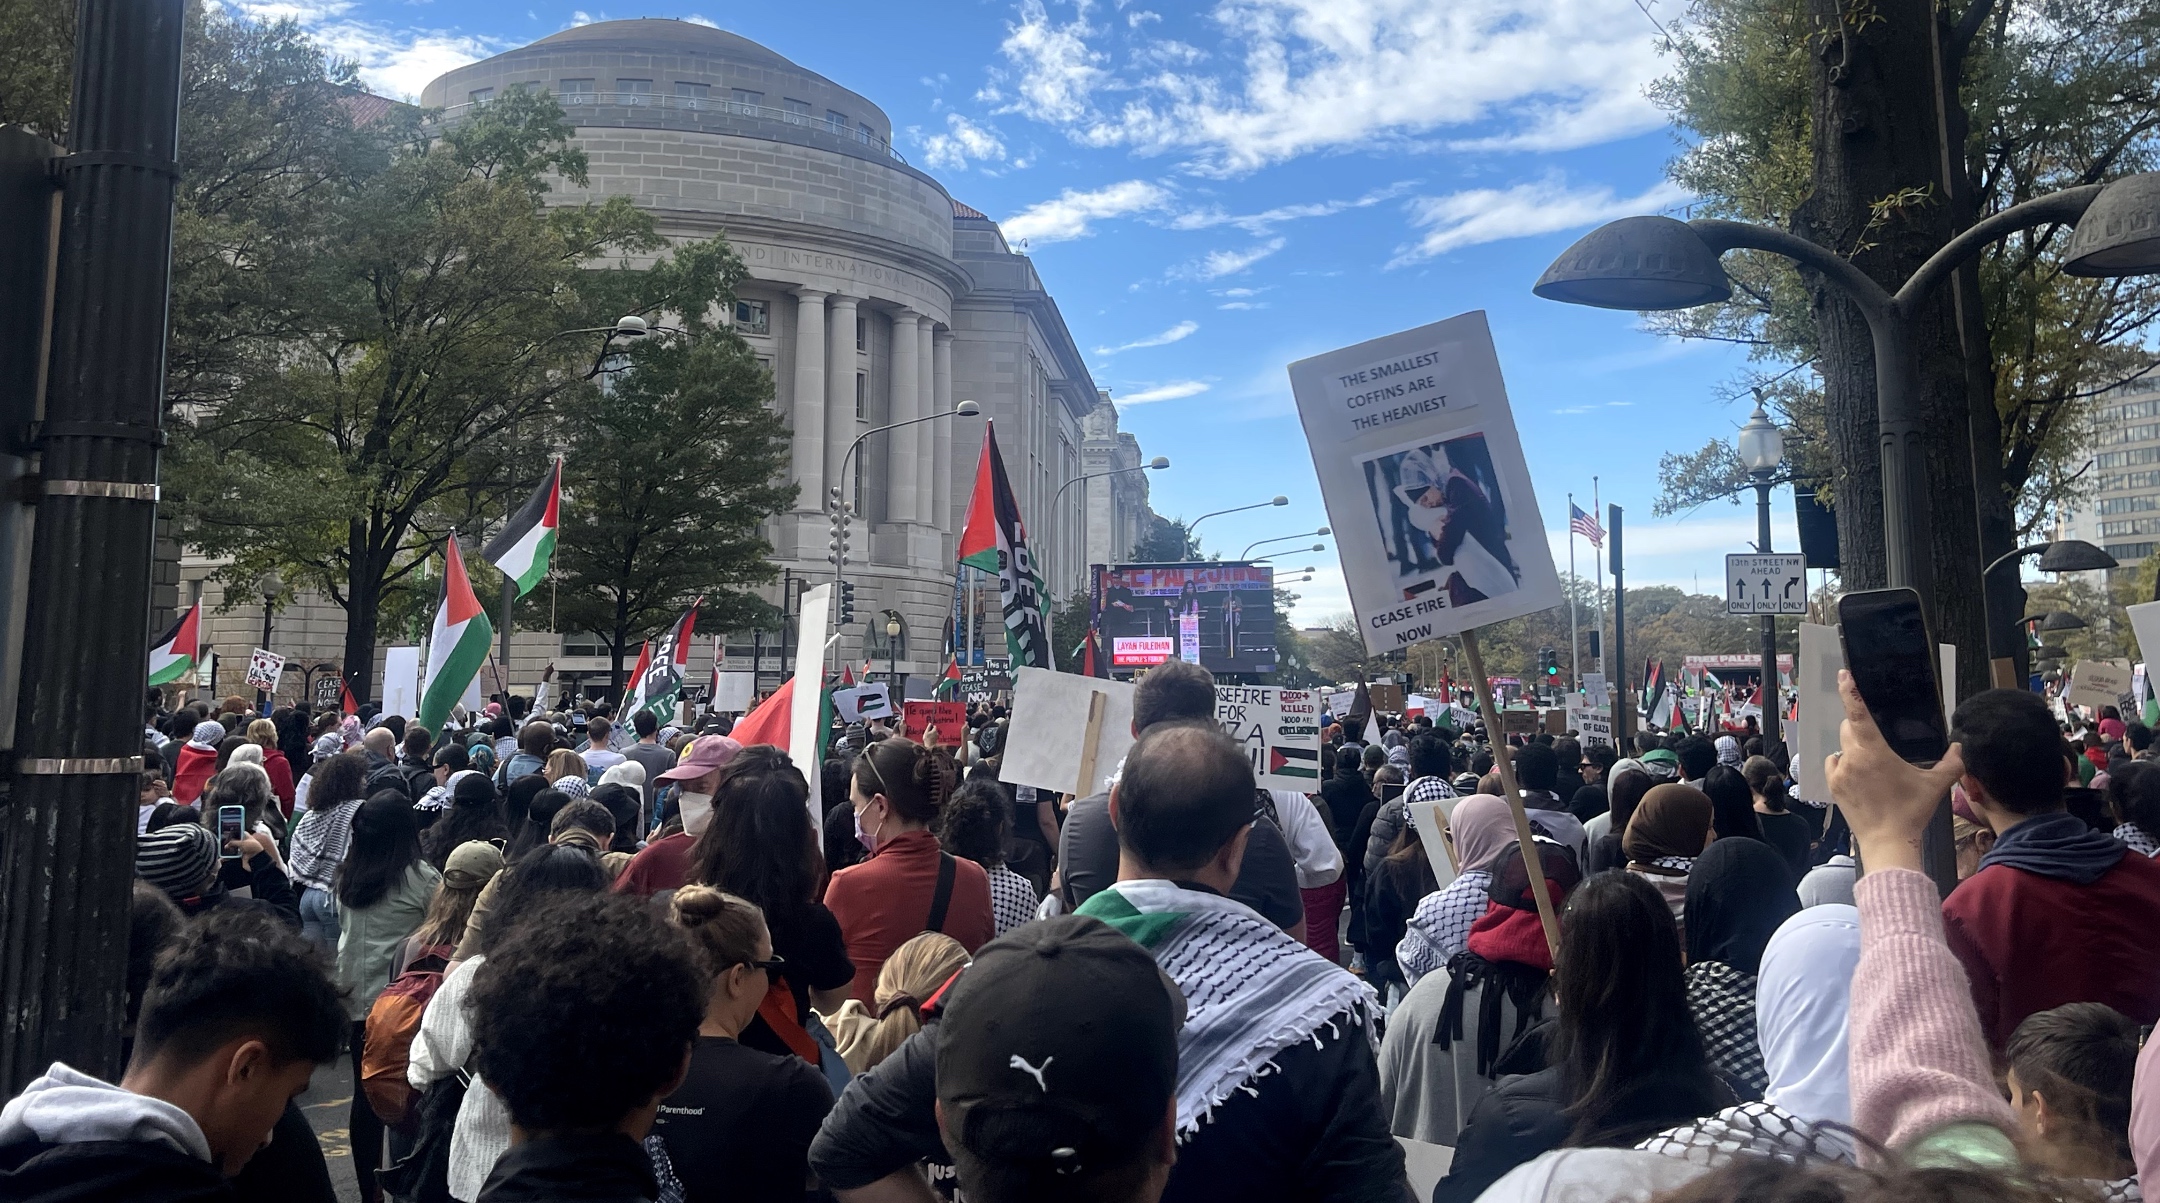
1057, 1055
177, 859
707, 754
472, 863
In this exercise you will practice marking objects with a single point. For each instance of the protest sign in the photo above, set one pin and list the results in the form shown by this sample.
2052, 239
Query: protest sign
1279, 730
863, 703
806, 718
2097, 684
2145, 624
1066, 727
1432, 820
1518, 722
264, 669
1815, 736
1592, 726
1386, 696
950, 719
401, 681
1338, 702
733, 691
1425, 484
1594, 689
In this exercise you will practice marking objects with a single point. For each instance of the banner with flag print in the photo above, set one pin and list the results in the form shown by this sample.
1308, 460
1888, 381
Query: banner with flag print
995, 540
657, 685
172, 657
526, 543
1586, 525
1279, 730
458, 646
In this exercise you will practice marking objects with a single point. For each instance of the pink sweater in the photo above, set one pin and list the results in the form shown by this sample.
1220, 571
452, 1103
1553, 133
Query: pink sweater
1918, 1061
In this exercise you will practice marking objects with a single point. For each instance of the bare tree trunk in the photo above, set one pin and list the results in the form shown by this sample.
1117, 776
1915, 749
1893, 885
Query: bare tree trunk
1878, 199
363, 604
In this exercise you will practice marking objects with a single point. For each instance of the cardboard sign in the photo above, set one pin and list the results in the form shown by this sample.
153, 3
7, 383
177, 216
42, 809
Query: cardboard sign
1518, 722
1556, 722
1338, 702
1433, 822
735, 692
264, 669
1048, 743
1430, 500
1592, 727
863, 703
329, 691
1386, 697
804, 704
950, 719
2097, 684
1815, 736
1278, 728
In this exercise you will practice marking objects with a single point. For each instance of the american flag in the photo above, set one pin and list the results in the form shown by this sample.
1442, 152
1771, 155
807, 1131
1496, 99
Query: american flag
1585, 525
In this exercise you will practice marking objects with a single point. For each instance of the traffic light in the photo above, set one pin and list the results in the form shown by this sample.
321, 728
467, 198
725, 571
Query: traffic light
1549, 664
847, 603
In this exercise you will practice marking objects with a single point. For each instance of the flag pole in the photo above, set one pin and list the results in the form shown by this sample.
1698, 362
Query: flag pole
1598, 565
1574, 630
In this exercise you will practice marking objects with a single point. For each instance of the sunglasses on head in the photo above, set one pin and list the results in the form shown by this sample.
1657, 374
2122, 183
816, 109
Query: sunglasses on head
772, 965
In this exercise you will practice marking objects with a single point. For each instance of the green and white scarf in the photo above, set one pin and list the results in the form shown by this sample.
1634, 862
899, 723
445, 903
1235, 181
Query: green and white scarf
1251, 991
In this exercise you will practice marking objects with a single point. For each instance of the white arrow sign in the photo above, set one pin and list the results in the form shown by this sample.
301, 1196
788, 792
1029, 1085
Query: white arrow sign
1773, 584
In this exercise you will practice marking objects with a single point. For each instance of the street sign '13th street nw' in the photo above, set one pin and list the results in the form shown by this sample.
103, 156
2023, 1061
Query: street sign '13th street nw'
1773, 584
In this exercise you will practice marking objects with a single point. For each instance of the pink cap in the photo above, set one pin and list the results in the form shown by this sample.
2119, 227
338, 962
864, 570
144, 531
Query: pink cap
707, 754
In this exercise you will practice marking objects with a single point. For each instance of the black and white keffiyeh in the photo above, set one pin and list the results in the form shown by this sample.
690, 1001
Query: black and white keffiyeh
2140, 842
1012, 899
1753, 1129
1722, 1000
1441, 926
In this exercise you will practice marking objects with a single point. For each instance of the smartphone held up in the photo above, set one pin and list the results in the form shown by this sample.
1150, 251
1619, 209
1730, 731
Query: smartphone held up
1892, 659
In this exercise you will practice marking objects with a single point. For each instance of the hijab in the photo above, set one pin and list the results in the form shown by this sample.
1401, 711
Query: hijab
629, 773
1484, 828
1672, 820
207, 736
1803, 999
248, 754
1728, 750
1738, 893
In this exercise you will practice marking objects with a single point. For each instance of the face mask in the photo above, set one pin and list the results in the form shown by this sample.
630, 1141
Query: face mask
868, 839
696, 812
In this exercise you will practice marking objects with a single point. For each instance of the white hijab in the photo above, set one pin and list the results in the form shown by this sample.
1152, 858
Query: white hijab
629, 773
1803, 999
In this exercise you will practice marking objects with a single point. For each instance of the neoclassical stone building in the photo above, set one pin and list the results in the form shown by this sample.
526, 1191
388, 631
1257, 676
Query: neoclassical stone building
873, 296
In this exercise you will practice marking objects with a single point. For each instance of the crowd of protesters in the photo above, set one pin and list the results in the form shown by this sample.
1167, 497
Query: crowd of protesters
566, 957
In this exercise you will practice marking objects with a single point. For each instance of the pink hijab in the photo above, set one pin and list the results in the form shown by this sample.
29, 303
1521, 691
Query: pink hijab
1483, 829
2145, 1114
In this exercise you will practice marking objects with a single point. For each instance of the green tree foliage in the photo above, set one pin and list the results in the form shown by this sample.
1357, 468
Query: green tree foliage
1165, 541
397, 351
37, 66
667, 481
2059, 94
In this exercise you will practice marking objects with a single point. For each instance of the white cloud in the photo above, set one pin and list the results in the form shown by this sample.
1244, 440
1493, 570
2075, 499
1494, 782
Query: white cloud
1259, 224
1243, 305
1165, 392
1481, 215
702, 19
963, 140
1293, 77
1217, 264
393, 62
1069, 214
1182, 330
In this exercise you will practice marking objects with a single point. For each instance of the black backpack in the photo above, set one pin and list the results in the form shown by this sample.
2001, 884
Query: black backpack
423, 1174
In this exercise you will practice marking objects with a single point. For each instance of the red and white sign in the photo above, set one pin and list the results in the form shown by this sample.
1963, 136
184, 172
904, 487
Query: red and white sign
1143, 650
950, 718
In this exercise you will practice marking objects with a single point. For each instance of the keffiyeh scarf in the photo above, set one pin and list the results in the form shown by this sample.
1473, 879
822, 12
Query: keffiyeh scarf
1722, 1000
2139, 841
1250, 990
1441, 926
1753, 1129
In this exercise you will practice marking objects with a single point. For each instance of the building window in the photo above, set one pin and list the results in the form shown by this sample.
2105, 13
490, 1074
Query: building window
862, 330
863, 133
838, 121
798, 111
861, 509
862, 395
633, 91
574, 91
583, 643
749, 99
751, 317
480, 95
692, 95
2130, 553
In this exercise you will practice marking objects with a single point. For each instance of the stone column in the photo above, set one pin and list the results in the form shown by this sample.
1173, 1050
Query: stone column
946, 428
904, 456
841, 364
809, 406
926, 434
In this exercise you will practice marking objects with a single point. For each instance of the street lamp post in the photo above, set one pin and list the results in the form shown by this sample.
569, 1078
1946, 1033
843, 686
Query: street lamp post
892, 650
1154, 465
1762, 450
838, 508
1322, 532
270, 585
2063, 555
1194, 525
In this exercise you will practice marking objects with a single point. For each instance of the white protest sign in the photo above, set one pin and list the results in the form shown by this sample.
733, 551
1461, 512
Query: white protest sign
401, 681
2096, 684
863, 702
1595, 689
1592, 727
1279, 730
1338, 703
2145, 624
803, 705
733, 691
1421, 703
264, 669
1432, 820
1421, 468
1815, 735
1045, 745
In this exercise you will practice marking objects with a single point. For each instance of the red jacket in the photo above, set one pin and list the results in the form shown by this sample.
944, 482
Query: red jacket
2031, 943
663, 864
281, 782
884, 902
192, 772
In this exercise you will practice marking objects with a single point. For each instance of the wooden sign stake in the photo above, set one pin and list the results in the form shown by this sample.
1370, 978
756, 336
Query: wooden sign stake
1089, 739
1501, 761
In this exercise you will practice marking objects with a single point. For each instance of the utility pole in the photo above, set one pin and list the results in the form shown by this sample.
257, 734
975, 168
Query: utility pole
68, 828
1623, 710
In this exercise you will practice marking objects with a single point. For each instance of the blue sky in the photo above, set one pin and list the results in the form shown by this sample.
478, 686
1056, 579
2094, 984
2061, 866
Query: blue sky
1214, 190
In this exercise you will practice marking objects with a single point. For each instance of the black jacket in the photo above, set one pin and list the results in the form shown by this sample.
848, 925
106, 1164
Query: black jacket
1525, 1115
272, 890
98, 1171
573, 1169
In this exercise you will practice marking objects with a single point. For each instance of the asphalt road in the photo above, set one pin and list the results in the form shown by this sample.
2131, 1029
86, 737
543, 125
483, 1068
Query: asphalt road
328, 1105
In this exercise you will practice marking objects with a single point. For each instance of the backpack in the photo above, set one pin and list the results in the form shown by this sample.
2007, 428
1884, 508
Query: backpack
391, 1025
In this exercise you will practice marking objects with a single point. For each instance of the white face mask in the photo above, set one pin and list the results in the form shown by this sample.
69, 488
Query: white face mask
696, 812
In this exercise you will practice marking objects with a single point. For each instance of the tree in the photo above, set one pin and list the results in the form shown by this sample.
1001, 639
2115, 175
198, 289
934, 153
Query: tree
1165, 541
401, 356
667, 483
2013, 350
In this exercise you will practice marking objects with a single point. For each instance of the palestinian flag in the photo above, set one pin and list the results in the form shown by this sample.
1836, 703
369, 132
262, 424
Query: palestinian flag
995, 541
349, 704
1659, 704
173, 657
847, 675
949, 681
527, 541
458, 646
1294, 762
658, 681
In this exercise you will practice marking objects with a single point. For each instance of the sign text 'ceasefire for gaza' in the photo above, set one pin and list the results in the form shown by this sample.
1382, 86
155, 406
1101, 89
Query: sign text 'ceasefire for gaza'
1385, 389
